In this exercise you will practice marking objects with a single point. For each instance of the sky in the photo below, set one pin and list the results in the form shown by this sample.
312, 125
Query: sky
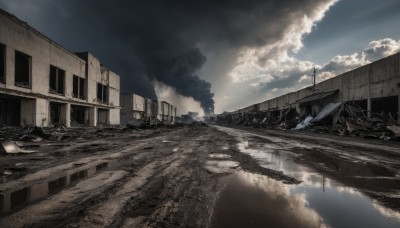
214, 56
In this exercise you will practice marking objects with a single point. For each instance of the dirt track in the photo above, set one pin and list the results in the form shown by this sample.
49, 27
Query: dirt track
180, 178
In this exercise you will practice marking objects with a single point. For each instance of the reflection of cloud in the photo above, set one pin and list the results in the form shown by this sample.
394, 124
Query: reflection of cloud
347, 190
285, 205
216, 166
387, 212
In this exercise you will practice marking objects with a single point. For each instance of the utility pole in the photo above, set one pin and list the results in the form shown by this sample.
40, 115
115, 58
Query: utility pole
314, 81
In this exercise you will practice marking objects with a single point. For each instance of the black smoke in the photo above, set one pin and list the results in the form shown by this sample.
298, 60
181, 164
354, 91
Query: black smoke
147, 40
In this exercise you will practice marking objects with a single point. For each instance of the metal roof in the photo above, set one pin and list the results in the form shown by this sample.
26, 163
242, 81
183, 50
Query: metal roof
316, 96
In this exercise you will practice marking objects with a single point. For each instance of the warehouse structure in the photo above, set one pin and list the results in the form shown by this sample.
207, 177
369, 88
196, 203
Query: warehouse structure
166, 111
374, 87
136, 107
43, 84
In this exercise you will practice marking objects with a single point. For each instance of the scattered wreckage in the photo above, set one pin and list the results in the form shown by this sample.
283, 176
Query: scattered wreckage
21, 140
335, 118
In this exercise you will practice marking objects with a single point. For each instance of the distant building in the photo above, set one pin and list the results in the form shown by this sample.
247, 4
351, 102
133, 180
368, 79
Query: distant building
166, 111
136, 107
133, 106
374, 88
43, 84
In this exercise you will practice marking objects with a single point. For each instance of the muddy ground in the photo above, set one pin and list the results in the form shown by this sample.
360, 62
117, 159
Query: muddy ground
200, 176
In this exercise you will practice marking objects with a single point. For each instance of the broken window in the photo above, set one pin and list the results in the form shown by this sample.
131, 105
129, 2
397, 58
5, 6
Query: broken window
22, 69
102, 93
2, 63
10, 111
57, 78
78, 87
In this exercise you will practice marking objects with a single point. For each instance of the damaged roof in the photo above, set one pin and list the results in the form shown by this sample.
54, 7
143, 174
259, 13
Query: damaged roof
316, 96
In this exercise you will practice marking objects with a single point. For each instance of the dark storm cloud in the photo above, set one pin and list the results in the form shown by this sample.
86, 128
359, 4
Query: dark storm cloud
147, 40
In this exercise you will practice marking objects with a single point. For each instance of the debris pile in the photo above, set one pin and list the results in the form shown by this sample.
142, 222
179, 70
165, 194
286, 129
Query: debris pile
335, 118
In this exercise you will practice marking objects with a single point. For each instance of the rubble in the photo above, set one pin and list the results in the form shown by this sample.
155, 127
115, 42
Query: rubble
338, 118
12, 148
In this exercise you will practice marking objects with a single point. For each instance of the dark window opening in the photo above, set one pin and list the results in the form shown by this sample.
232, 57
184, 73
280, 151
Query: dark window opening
102, 93
78, 115
2, 63
385, 106
361, 104
78, 90
22, 69
57, 79
55, 113
75, 86
10, 111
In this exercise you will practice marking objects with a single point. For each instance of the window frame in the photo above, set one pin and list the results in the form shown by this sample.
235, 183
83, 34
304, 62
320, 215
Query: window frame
4, 64
19, 84
56, 90
81, 91
104, 95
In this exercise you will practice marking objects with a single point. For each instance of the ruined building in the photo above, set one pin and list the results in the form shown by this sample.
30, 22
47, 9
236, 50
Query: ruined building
43, 84
166, 111
374, 88
136, 107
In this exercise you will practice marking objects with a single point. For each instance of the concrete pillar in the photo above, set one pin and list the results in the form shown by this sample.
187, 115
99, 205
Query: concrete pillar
93, 116
10, 66
398, 108
369, 92
66, 115
369, 107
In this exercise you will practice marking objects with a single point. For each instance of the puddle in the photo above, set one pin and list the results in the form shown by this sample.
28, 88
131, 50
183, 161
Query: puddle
220, 156
14, 199
217, 166
252, 200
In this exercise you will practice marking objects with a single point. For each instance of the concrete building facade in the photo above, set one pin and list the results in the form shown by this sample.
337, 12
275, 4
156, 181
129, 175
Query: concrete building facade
133, 107
374, 87
136, 107
41, 83
166, 111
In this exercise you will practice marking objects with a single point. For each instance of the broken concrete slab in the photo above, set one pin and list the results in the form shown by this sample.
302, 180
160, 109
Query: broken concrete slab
395, 129
328, 110
12, 148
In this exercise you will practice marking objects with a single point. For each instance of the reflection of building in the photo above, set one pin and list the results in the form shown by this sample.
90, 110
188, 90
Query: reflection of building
374, 87
41, 83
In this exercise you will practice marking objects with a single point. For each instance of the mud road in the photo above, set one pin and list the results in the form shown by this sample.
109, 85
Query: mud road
201, 176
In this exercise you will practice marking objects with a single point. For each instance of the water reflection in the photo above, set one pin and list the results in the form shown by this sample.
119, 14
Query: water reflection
221, 166
247, 198
220, 156
251, 200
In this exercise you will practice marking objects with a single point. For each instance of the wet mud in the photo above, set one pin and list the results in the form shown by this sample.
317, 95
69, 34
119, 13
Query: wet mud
197, 176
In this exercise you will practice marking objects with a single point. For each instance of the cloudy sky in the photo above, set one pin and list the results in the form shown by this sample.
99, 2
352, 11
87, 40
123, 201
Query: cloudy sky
221, 55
